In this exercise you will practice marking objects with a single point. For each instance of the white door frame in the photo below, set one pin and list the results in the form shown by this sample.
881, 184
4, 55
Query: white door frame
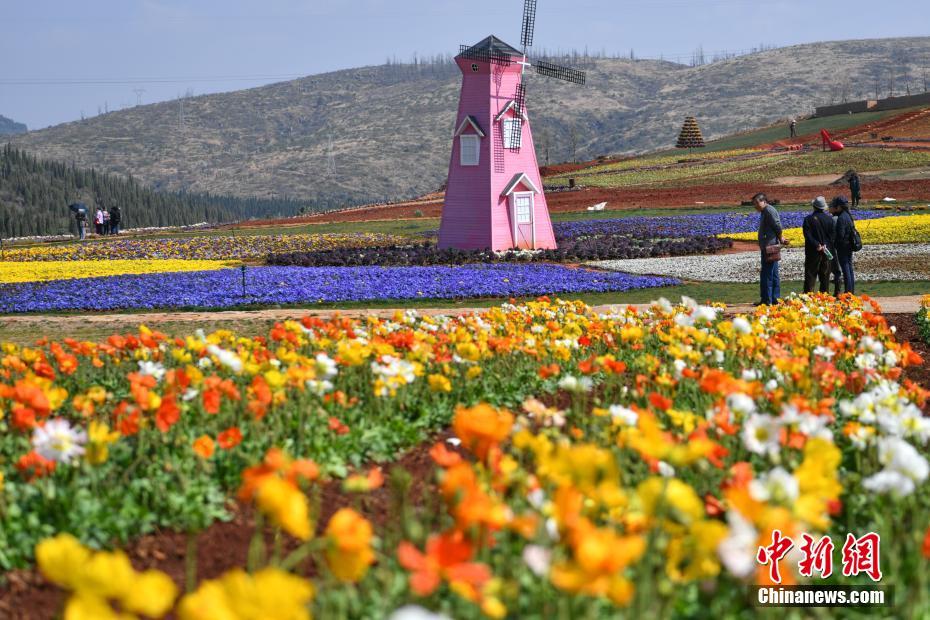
513, 215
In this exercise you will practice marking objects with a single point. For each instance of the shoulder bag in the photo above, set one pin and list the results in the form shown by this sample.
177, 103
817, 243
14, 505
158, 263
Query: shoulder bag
772, 253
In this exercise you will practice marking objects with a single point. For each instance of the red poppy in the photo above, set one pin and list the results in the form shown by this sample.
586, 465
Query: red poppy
336, 425
660, 402
168, 413
33, 465
230, 438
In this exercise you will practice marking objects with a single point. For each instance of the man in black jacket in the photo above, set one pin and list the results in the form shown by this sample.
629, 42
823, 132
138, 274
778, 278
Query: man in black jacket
818, 246
115, 217
843, 242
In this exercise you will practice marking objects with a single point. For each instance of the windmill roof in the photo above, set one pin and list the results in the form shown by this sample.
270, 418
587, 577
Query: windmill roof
494, 45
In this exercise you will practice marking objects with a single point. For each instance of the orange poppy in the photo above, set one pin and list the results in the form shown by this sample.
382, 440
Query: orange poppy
204, 446
443, 456
448, 556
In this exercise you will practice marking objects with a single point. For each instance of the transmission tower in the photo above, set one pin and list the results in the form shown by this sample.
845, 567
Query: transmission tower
330, 157
138, 92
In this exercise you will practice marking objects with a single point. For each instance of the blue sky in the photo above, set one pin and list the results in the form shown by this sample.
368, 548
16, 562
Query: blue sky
62, 58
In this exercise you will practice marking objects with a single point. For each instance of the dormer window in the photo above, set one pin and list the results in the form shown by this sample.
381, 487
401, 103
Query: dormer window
469, 149
513, 133
469, 133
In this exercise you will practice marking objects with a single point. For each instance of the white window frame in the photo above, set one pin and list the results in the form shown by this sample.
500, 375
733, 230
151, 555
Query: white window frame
513, 215
466, 139
507, 131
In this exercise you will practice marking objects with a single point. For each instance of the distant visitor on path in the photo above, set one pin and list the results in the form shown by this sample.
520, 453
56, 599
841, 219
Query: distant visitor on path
98, 221
106, 222
855, 188
818, 246
846, 241
770, 242
793, 127
115, 217
81, 217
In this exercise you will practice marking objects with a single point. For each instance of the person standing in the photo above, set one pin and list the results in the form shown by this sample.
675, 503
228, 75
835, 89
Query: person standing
818, 250
115, 217
835, 263
81, 217
98, 221
770, 242
793, 127
843, 242
855, 188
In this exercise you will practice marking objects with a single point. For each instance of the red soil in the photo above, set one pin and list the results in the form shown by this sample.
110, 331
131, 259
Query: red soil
558, 169
908, 332
627, 198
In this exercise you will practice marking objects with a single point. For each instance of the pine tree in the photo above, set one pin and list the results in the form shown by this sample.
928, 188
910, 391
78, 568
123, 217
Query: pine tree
34, 195
690, 136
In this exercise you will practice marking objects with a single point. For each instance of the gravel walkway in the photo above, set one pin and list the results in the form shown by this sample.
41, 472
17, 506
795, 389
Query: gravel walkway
874, 263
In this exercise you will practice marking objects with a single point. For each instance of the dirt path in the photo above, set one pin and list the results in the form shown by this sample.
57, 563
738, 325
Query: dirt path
895, 305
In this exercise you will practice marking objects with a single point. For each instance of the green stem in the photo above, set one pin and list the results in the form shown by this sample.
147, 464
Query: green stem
298, 555
256, 545
190, 563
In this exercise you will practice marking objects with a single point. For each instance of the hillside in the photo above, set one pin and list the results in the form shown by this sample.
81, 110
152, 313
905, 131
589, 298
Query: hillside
380, 133
34, 195
9, 127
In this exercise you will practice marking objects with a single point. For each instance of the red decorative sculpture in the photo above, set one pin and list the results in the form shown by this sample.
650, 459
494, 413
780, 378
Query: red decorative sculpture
835, 145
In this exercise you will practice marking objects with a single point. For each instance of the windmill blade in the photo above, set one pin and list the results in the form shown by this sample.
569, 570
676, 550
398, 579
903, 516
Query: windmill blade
559, 72
519, 100
529, 23
516, 126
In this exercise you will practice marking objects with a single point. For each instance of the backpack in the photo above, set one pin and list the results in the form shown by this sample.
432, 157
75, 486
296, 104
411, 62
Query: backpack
856, 240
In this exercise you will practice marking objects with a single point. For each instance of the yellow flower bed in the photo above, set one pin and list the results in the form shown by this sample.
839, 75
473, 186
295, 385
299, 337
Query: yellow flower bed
904, 229
16, 272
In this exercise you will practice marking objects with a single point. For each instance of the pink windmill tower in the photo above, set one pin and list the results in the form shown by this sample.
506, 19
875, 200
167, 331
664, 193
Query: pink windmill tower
494, 196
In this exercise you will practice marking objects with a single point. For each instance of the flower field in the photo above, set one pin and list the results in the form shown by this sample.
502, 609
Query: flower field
227, 288
905, 229
572, 249
206, 247
696, 225
665, 450
743, 168
43, 271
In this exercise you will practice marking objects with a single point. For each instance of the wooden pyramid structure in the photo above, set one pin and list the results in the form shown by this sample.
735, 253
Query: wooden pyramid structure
690, 136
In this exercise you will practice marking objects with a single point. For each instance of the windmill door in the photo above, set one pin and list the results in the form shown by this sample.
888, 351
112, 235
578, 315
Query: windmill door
524, 230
